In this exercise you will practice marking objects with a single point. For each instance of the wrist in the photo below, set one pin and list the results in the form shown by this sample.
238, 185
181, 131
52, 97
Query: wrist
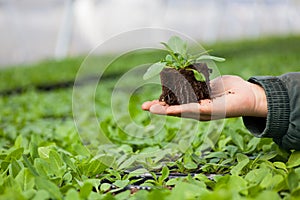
260, 108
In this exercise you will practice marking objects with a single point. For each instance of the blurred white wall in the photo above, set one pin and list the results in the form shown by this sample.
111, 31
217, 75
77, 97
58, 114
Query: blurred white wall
31, 30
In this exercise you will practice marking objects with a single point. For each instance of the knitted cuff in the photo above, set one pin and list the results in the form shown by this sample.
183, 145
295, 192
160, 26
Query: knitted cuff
277, 121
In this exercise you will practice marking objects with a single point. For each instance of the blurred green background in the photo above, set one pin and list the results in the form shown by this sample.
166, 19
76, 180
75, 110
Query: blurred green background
43, 152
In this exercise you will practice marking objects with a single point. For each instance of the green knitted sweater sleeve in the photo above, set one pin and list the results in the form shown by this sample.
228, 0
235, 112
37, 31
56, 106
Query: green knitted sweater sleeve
283, 120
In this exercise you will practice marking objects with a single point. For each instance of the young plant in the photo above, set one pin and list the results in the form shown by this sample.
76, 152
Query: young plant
184, 77
179, 58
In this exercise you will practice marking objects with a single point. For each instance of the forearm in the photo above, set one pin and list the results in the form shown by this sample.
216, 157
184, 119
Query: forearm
283, 120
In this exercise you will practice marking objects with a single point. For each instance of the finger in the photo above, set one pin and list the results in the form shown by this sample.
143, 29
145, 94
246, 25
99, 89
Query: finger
184, 111
158, 109
205, 107
191, 110
184, 108
146, 105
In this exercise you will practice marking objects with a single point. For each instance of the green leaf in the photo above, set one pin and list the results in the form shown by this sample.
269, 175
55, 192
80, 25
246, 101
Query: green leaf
173, 181
270, 181
104, 187
236, 183
267, 194
167, 47
121, 183
42, 167
154, 70
243, 160
208, 57
69, 162
30, 166
4, 165
127, 163
85, 190
15, 168
177, 45
252, 144
143, 194
164, 174
294, 160
56, 163
184, 145
44, 152
67, 177
169, 58
33, 148
296, 193
137, 172
95, 183
190, 165
19, 141
44, 184
30, 193
25, 179
123, 195
41, 195
267, 181
255, 176
237, 140
95, 167
217, 154
268, 155
280, 165
72, 194
198, 76
184, 190
292, 180
16, 154
81, 149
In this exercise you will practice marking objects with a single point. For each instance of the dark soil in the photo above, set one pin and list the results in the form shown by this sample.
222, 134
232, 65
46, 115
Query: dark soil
181, 87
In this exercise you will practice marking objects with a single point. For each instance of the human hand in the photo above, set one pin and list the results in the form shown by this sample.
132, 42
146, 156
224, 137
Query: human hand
231, 97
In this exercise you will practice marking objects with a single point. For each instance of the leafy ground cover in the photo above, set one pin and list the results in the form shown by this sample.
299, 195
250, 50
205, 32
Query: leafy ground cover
42, 156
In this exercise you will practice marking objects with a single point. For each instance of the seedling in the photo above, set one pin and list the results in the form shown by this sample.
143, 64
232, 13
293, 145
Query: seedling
184, 77
179, 58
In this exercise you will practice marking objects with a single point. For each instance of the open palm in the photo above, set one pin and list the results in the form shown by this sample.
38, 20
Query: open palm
231, 97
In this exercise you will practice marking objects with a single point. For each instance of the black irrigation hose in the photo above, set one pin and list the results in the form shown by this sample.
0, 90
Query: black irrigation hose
148, 176
59, 85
